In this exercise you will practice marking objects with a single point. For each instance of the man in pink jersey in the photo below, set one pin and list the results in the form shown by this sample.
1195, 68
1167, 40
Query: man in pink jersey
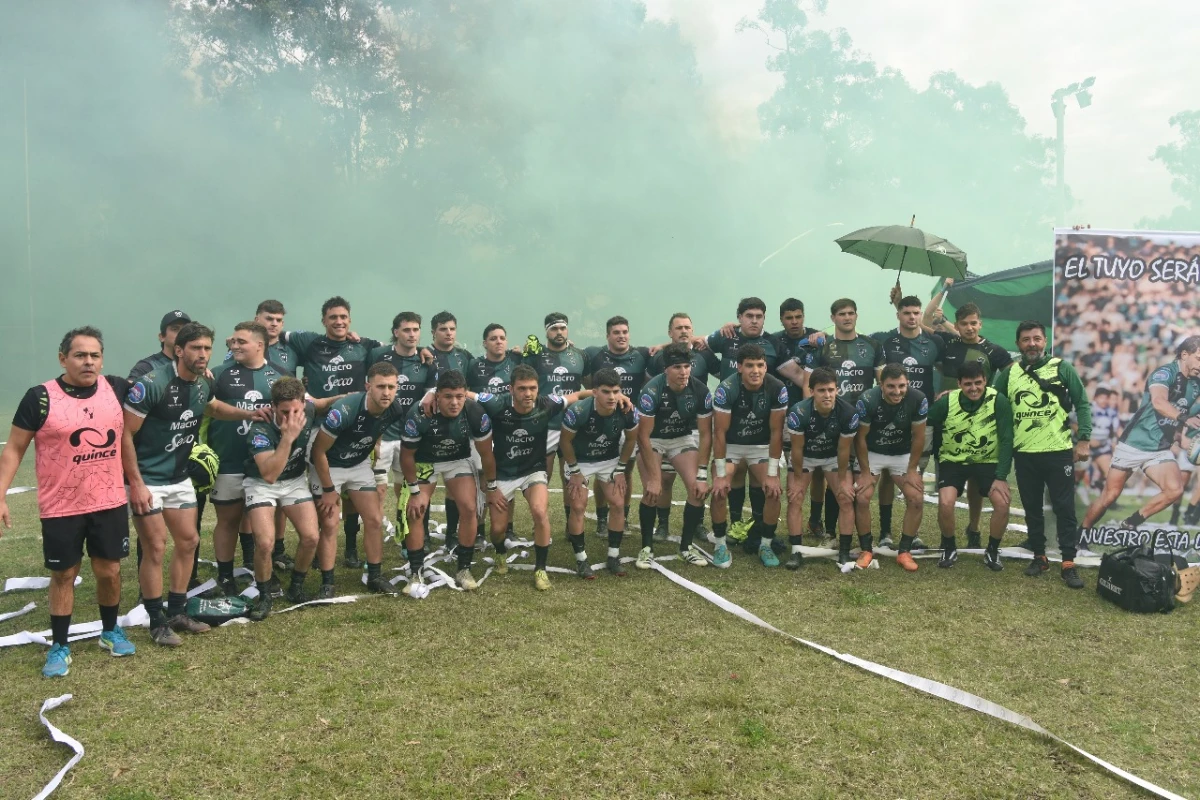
76, 421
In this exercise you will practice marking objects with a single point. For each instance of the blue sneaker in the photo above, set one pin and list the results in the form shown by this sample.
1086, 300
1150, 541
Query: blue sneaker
58, 662
117, 643
721, 557
768, 557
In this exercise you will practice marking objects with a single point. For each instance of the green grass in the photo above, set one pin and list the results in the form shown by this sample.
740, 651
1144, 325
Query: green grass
629, 687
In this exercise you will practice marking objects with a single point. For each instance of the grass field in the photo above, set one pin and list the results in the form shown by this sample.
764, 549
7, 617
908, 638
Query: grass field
617, 687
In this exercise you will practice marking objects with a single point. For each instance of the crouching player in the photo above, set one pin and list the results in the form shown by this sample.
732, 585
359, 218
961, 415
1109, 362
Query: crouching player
443, 440
591, 446
675, 427
276, 477
822, 428
975, 425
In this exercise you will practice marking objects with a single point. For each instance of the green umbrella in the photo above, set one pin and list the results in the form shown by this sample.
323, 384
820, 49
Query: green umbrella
906, 249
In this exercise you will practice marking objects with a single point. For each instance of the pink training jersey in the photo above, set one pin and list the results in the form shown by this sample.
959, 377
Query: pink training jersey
79, 453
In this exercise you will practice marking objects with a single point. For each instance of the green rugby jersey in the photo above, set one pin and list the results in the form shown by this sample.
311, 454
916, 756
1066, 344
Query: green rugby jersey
355, 429
750, 412
630, 366
440, 438
992, 356
244, 388
674, 413
519, 440
171, 409
331, 367
1148, 430
822, 433
415, 379
704, 363
147, 364
597, 437
918, 355
457, 358
727, 350
790, 349
852, 360
891, 426
493, 377
279, 355
263, 437
559, 372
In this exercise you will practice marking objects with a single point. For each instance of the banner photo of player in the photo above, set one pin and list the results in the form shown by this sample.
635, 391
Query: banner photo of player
1126, 316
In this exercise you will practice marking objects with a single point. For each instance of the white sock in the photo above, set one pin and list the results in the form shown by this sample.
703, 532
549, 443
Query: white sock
614, 552
581, 556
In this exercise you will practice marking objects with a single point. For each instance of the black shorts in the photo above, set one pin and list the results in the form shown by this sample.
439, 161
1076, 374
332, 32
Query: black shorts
951, 473
105, 532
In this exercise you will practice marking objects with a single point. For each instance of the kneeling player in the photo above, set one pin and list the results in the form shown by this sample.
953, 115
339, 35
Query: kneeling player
675, 427
520, 424
443, 440
891, 436
748, 435
976, 431
275, 479
591, 446
822, 428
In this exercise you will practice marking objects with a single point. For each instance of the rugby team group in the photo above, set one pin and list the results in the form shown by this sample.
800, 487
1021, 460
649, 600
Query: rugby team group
844, 416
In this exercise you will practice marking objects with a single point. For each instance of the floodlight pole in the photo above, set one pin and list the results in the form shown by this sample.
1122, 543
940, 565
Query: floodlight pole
1059, 106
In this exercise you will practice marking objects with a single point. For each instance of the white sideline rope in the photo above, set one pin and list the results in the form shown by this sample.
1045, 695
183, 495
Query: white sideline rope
940, 690
62, 738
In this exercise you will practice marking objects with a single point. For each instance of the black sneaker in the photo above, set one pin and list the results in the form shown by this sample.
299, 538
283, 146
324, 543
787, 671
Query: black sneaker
1037, 566
326, 592
275, 588
584, 570
1070, 576
844, 557
381, 585
296, 594
974, 541
182, 623
886, 541
261, 608
351, 560
917, 545
992, 562
615, 567
229, 587
949, 559
283, 562
797, 561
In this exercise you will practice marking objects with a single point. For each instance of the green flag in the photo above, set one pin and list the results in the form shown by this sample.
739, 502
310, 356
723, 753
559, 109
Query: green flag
1005, 299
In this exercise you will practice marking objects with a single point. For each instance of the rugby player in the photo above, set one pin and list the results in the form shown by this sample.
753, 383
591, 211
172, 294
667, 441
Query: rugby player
335, 362
75, 422
1043, 391
598, 441
168, 329
973, 429
492, 371
891, 438
521, 422
823, 427
245, 382
675, 429
275, 481
630, 365
1106, 430
442, 440
560, 367
449, 355
340, 461
963, 345
1171, 392
919, 353
703, 362
163, 411
748, 437
852, 357
415, 377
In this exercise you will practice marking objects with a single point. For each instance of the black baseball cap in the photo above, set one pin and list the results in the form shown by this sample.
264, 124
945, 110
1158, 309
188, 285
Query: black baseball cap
175, 317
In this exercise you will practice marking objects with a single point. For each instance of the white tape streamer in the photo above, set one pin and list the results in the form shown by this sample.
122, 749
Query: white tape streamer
20, 490
62, 738
15, 584
11, 614
941, 690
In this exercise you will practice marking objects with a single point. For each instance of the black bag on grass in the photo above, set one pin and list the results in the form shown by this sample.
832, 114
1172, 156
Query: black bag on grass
1136, 581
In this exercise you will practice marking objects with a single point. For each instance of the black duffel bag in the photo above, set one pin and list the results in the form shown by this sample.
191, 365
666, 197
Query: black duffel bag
1136, 581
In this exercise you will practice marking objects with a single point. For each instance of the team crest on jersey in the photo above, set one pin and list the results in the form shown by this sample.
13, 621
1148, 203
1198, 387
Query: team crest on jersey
793, 420
783, 396
1161, 375
483, 397
861, 410
569, 417
333, 419
410, 428
646, 403
853, 424
260, 442
924, 407
708, 401
485, 423
137, 393
719, 395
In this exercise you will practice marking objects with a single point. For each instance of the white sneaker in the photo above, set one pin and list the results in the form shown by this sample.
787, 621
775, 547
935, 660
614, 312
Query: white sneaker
645, 558
694, 557
466, 580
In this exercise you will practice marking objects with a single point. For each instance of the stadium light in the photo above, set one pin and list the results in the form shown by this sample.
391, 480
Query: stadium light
1082, 93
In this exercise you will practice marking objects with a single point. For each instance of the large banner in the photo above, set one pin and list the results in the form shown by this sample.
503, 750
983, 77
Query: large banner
1127, 316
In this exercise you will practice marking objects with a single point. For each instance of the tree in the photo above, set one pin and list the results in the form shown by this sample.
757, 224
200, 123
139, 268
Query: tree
1182, 160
